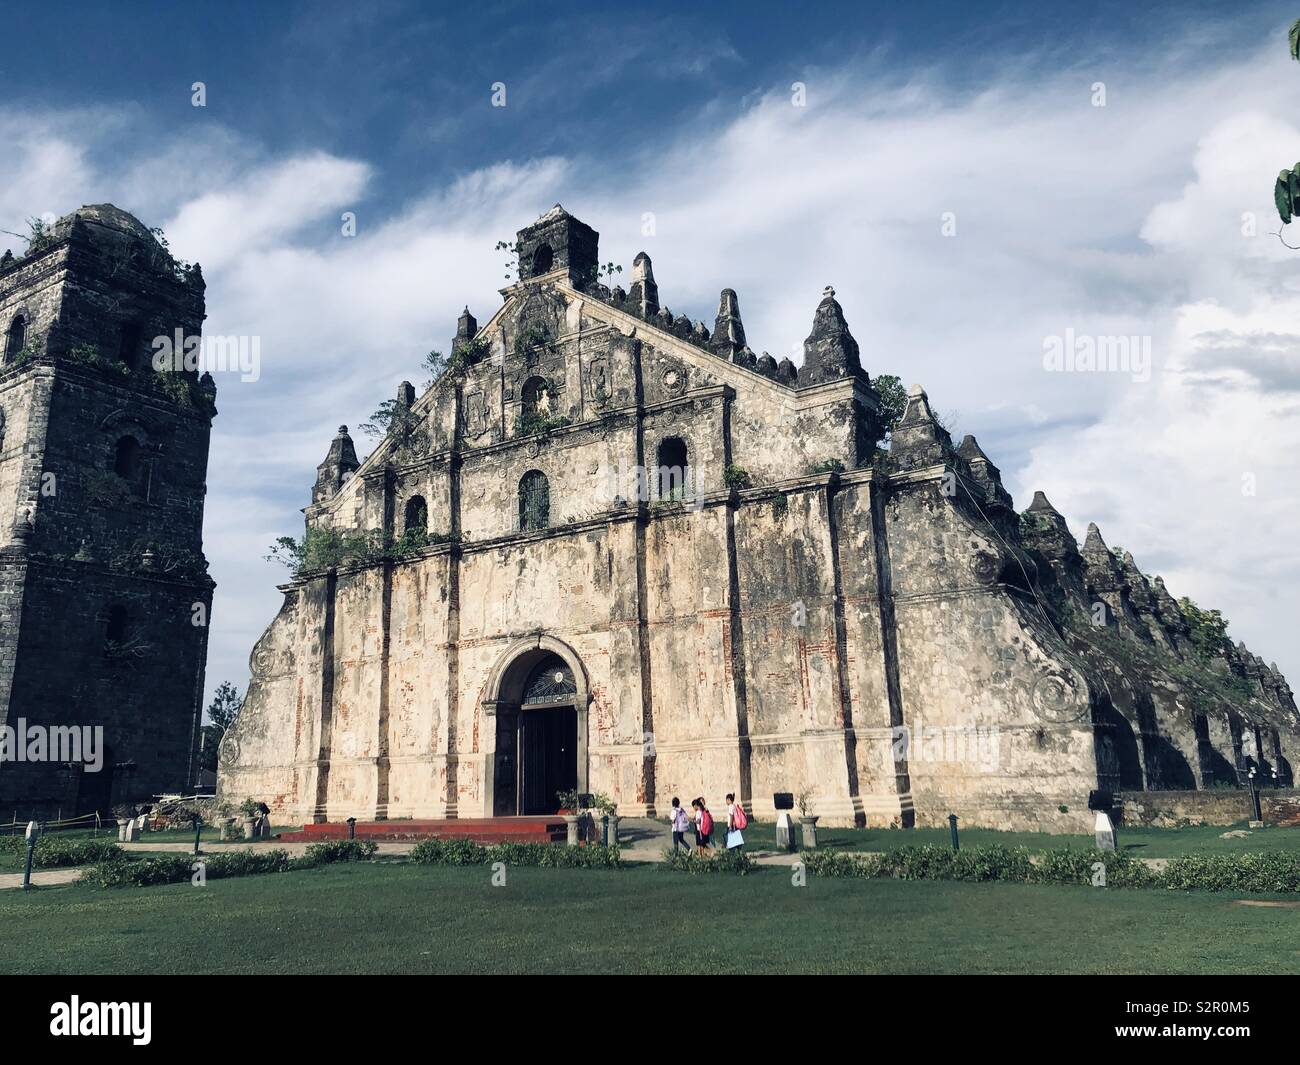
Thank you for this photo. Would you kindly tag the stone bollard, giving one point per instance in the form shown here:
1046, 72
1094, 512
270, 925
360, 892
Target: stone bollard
784, 831
571, 829
1105, 831
808, 831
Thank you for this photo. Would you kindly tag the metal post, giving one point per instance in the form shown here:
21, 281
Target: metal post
352, 828
604, 830
952, 827
32, 833
198, 831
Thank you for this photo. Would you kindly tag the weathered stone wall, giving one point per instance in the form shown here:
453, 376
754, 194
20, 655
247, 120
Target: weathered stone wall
1176, 809
890, 640
105, 598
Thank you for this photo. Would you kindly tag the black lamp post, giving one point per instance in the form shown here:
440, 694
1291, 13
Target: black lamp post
1254, 796
32, 833
952, 828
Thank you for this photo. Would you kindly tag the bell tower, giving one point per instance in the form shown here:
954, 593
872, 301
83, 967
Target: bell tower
104, 591
558, 241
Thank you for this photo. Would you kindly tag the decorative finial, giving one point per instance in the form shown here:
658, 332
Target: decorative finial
829, 292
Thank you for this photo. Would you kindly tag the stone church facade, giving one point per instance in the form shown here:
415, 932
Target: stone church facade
104, 591
633, 557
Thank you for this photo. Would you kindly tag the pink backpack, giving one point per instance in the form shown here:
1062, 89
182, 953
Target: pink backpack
738, 818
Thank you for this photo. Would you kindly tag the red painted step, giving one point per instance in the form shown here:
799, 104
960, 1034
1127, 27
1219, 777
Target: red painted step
480, 830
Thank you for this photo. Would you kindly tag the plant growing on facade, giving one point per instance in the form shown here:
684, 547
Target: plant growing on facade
511, 248
400, 422
1209, 628
532, 422
88, 355
322, 549
737, 477
827, 466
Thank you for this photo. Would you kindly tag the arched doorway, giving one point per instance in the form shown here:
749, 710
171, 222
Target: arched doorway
538, 696
548, 737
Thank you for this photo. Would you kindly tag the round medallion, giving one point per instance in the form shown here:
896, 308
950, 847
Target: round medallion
984, 567
1056, 698
673, 380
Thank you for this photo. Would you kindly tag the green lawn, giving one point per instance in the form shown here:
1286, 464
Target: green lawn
1139, 842
390, 918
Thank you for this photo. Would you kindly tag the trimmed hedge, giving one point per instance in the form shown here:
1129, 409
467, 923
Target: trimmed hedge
544, 855
54, 853
1233, 872
177, 868
1278, 873
340, 850
723, 861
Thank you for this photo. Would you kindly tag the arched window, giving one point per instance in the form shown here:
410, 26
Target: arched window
117, 632
534, 502
673, 473
417, 515
128, 345
16, 338
126, 458
543, 257
536, 397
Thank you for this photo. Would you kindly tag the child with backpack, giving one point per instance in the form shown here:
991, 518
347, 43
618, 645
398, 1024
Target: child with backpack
703, 827
679, 821
737, 821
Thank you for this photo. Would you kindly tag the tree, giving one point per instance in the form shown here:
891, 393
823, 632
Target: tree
1286, 190
434, 364
893, 400
222, 712
1209, 628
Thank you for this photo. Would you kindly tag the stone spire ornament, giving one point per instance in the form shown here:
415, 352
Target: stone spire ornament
643, 293
466, 329
830, 352
340, 463
728, 330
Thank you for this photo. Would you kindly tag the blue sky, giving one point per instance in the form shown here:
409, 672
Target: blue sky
1126, 219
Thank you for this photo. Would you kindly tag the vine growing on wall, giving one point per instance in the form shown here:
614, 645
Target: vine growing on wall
324, 549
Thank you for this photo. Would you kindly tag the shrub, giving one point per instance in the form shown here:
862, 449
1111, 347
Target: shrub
546, 855
1233, 872
143, 872
926, 862
991, 863
339, 850
54, 853
839, 864
448, 852
251, 863
725, 861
